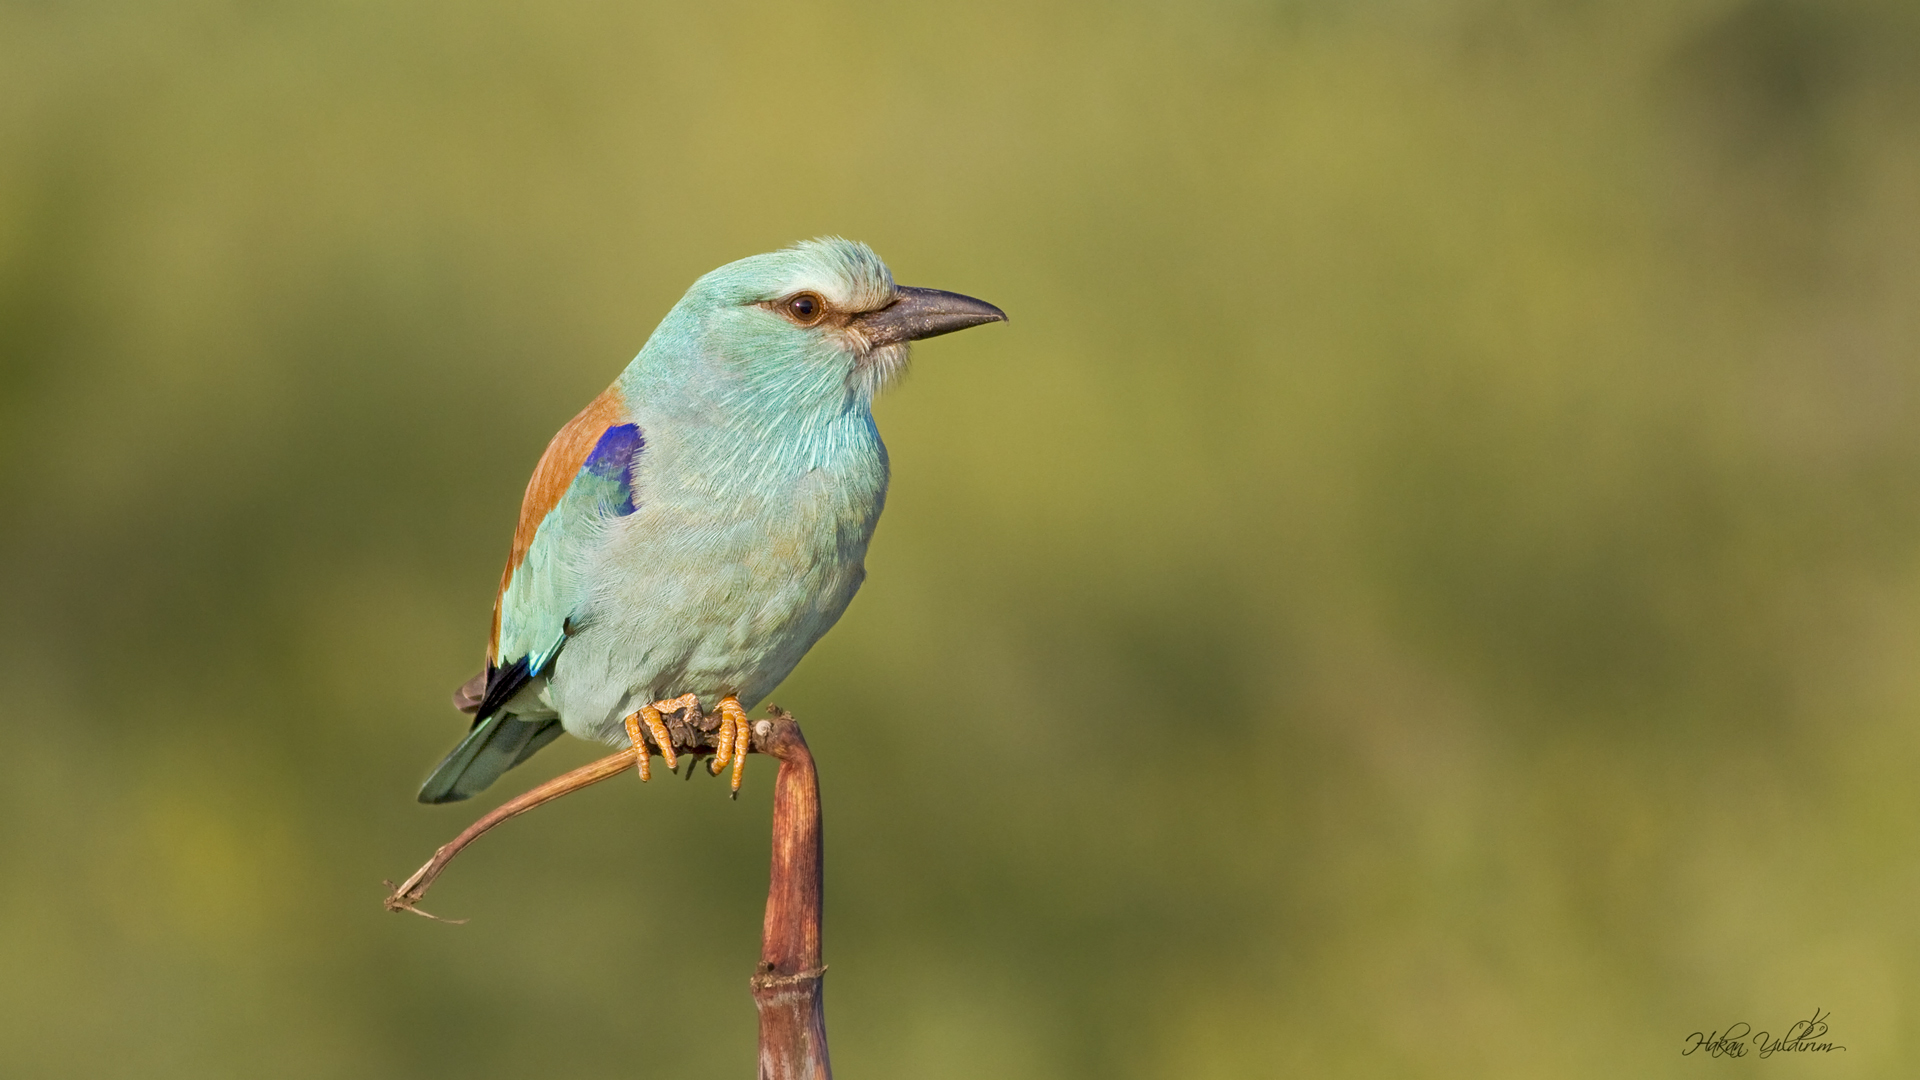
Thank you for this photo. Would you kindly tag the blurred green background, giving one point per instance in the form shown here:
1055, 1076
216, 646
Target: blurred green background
1427, 585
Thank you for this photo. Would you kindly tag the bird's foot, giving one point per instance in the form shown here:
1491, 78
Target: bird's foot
656, 726
731, 743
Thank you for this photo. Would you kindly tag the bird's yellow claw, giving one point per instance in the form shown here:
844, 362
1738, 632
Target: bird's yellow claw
732, 741
742, 741
650, 715
640, 751
722, 744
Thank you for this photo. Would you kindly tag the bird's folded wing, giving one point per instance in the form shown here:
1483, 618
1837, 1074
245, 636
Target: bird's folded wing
584, 478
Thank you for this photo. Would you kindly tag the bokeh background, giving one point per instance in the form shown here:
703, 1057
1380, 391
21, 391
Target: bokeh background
1427, 585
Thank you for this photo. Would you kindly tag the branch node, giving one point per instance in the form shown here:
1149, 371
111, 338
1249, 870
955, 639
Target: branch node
768, 980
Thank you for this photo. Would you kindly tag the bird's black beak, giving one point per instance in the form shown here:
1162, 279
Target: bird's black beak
923, 313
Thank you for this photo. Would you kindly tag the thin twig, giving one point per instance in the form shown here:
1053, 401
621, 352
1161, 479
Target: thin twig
691, 733
787, 984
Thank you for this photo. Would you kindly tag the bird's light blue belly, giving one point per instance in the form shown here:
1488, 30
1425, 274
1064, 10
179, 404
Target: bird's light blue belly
693, 598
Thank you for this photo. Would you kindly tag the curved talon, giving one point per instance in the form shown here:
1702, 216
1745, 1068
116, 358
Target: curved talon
742, 739
657, 727
742, 742
639, 746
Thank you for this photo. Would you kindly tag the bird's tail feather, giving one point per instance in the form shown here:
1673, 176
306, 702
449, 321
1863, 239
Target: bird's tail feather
495, 745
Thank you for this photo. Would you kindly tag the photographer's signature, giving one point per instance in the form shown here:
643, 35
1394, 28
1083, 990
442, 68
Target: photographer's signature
1804, 1037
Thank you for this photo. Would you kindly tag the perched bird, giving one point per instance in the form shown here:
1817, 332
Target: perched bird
690, 535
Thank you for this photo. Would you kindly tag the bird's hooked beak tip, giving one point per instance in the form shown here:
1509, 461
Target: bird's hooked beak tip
923, 313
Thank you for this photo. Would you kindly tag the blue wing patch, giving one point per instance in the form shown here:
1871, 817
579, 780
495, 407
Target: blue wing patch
609, 469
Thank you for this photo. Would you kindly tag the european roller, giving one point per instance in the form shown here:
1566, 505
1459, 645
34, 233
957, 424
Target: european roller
689, 536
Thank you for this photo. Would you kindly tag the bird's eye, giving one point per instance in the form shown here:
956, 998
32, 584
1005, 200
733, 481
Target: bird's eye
806, 308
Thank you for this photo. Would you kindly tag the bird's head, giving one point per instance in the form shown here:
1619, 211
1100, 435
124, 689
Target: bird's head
819, 320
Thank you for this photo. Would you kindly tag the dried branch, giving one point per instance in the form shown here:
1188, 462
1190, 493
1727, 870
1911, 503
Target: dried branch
786, 985
694, 736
